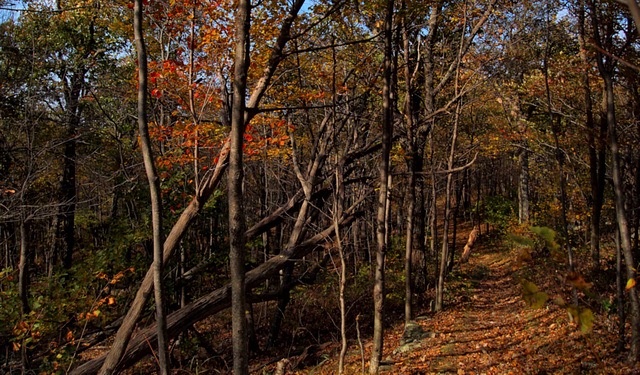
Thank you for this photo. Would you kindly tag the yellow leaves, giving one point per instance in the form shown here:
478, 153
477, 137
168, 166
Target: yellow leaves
630, 284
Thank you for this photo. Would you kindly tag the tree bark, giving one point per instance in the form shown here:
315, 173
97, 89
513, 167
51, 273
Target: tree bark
23, 273
413, 170
444, 256
523, 186
154, 190
596, 177
621, 216
606, 69
387, 135
236, 208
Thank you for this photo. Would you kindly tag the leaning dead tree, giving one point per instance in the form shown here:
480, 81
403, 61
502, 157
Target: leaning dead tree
215, 301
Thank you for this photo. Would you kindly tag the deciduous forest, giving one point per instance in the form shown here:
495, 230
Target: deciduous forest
319, 186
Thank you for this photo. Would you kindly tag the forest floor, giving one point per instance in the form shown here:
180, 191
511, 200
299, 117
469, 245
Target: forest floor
487, 328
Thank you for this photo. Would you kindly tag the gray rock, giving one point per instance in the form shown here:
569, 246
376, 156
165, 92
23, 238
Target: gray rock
412, 338
413, 332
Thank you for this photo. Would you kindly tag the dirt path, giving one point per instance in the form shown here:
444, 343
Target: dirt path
489, 329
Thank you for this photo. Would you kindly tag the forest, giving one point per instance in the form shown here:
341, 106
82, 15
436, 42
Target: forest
320, 186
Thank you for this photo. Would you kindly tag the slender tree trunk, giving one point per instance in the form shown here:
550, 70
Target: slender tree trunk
387, 134
444, 256
596, 179
281, 306
523, 186
154, 189
447, 204
408, 259
620, 295
252, 338
606, 69
412, 165
456, 214
68, 182
236, 208
434, 203
621, 216
337, 213
23, 276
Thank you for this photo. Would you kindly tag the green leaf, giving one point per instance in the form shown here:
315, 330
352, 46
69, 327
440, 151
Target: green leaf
532, 296
523, 241
547, 234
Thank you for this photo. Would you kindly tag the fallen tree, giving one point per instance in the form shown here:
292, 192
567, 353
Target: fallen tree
140, 345
473, 236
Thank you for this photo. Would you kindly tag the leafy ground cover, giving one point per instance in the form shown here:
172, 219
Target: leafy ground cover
488, 328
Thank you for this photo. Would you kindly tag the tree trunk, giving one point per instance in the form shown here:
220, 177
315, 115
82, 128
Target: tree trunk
444, 256
621, 216
68, 182
523, 186
381, 250
337, 213
620, 295
596, 178
283, 300
154, 190
606, 69
236, 207
23, 276
413, 170
559, 155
